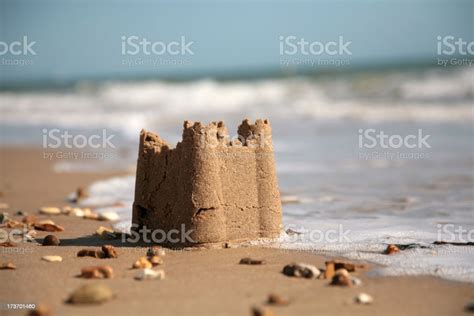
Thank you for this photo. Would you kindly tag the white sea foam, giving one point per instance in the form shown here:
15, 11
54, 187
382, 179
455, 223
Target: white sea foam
433, 96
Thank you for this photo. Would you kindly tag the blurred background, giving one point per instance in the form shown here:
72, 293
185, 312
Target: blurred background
321, 71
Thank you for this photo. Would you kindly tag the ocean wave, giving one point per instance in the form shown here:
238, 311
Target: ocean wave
430, 96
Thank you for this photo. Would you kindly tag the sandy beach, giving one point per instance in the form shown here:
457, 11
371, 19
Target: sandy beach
198, 282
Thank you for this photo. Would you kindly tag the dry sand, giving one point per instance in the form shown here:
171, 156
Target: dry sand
198, 282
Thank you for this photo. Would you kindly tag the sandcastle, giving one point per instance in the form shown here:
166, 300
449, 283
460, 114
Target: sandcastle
221, 189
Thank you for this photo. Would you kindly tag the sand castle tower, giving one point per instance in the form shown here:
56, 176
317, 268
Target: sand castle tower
221, 189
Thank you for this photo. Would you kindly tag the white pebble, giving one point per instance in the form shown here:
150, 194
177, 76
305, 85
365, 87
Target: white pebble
364, 298
149, 274
50, 210
52, 258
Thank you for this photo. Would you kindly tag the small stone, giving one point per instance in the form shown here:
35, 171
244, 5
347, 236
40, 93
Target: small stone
155, 261
330, 270
105, 233
52, 258
108, 216
96, 293
89, 214
142, 263
40, 310
275, 299
109, 251
301, 270
50, 210
149, 274
363, 298
341, 280
48, 226
350, 267
391, 250
7, 244
20, 213
342, 272
355, 281
98, 272
51, 240
155, 251
251, 261
73, 211
7, 266
29, 219
11, 223
4, 206
261, 311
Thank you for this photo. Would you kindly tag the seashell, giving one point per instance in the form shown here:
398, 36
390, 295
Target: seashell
275, 299
364, 298
98, 272
51, 240
91, 294
13, 224
301, 270
7, 244
142, 263
52, 258
251, 261
355, 281
149, 274
48, 210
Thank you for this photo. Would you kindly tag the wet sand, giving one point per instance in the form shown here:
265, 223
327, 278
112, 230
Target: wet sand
198, 282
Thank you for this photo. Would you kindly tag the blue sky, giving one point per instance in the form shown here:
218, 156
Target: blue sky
82, 38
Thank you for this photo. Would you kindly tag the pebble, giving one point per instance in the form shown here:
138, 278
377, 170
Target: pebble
7, 266
48, 210
275, 299
11, 223
105, 233
301, 270
341, 280
72, 211
391, 250
4, 206
149, 274
330, 270
96, 293
52, 258
261, 311
155, 260
51, 240
142, 263
48, 226
356, 281
40, 310
108, 216
155, 251
364, 298
109, 251
251, 261
7, 244
20, 213
98, 272
29, 219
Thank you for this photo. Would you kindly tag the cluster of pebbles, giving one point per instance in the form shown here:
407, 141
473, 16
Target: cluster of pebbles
337, 272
